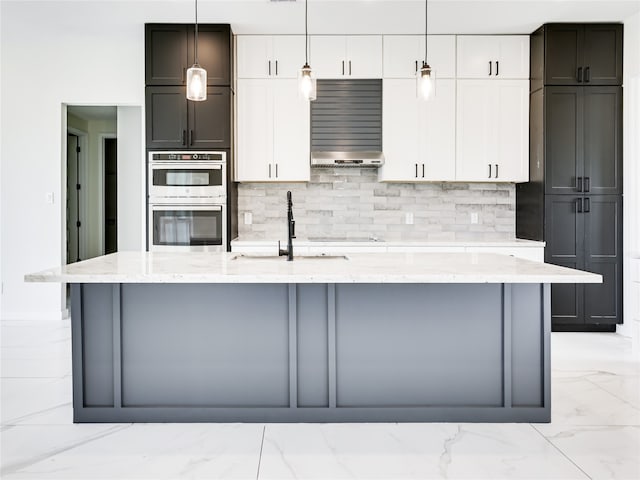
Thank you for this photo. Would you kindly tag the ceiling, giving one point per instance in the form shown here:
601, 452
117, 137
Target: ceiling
93, 112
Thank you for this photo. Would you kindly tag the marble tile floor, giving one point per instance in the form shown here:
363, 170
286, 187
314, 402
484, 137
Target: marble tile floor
595, 429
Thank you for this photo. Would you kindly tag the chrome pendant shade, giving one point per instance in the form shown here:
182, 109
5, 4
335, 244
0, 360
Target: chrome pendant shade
426, 76
196, 75
306, 77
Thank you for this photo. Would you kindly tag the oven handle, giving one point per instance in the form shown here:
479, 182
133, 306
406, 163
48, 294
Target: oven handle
163, 207
185, 166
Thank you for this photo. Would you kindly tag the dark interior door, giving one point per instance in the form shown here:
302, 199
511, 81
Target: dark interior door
564, 140
166, 117
209, 121
564, 234
214, 52
110, 195
603, 255
603, 54
603, 140
563, 54
166, 56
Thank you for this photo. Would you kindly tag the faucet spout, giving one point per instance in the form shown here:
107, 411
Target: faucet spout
291, 230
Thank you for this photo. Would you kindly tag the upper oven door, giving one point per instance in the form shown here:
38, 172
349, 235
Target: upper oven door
187, 179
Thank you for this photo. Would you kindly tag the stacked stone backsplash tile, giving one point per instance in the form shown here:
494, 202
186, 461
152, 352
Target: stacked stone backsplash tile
350, 203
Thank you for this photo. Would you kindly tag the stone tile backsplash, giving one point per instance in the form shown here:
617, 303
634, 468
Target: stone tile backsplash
350, 204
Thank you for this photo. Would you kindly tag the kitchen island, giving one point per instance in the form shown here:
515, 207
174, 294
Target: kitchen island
198, 337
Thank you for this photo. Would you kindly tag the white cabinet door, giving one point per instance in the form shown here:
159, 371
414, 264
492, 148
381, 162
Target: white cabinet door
364, 56
352, 56
438, 133
475, 145
497, 57
512, 123
441, 54
400, 131
288, 55
328, 55
291, 132
267, 56
492, 139
402, 55
418, 136
254, 54
255, 129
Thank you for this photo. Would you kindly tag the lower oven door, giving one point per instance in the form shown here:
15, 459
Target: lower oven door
188, 228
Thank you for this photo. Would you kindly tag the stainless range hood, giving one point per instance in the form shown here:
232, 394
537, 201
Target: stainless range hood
347, 159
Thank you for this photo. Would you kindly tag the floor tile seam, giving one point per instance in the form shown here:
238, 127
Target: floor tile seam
264, 428
635, 407
39, 412
561, 452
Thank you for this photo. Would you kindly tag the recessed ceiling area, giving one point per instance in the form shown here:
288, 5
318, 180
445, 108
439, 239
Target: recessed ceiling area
93, 112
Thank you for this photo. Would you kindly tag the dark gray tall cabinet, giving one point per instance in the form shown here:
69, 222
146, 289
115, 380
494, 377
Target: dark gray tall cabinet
573, 200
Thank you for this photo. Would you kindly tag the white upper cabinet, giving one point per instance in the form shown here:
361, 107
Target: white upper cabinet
404, 54
273, 132
270, 56
493, 56
350, 56
492, 134
418, 136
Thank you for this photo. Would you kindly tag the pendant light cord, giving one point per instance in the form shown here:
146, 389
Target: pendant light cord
426, 23
306, 34
196, 48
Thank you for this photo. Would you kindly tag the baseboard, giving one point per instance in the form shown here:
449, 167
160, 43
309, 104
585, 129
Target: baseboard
35, 316
583, 328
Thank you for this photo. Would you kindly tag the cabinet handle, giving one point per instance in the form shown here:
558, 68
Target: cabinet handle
497, 67
587, 184
579, 75
342, 67
423, 170
490, 68
416, 170
276, 67
489, 170
269, 170
579, 205
587, 205
276, 170
496, 170
416, 66
579, 186
349, 67
184, 74
587, 74
269, 67
190, 137
184, 137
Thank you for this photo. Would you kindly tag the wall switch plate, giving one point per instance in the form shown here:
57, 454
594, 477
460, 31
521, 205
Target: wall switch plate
408, 218
49, 198
474, 217
248, 218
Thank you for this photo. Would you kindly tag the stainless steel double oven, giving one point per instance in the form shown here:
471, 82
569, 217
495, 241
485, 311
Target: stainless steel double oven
187, 201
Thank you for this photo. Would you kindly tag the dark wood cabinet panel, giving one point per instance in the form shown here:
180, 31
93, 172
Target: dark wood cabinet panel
583, 54
583, 140
602, 120
170, 50
174, 122
166, 117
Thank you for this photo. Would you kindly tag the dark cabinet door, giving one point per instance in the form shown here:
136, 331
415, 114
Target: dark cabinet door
564, 235
166, 117
214, 52
166, 55
563, 54
602, 140
210, 120
603, 54
564, 140
603, 255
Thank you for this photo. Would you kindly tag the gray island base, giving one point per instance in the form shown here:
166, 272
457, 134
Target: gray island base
311, 352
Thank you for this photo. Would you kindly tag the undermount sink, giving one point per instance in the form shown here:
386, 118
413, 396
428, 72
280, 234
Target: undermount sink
319, 256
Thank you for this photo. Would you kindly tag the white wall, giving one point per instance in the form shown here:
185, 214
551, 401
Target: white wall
631, 168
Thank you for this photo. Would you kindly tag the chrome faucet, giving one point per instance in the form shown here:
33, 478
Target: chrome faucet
291, 227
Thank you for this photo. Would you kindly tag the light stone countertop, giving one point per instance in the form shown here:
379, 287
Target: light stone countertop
382, 243
192, 267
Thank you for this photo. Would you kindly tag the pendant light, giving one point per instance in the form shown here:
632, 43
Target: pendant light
196, 75
426, 77
306, 77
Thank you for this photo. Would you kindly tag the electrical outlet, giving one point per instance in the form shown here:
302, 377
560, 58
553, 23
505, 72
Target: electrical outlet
474, 217
49, 198
408, 218
248, 218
